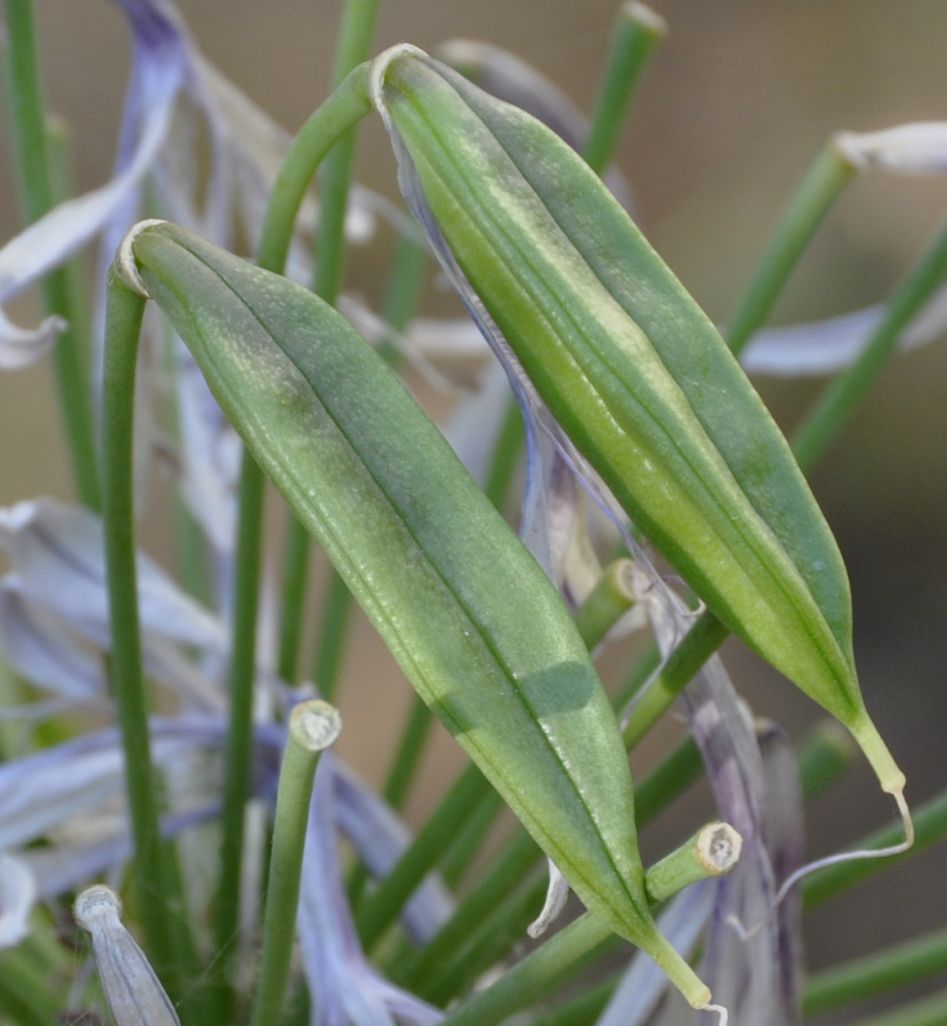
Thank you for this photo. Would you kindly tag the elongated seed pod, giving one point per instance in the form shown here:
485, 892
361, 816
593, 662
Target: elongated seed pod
467, 612
635, 373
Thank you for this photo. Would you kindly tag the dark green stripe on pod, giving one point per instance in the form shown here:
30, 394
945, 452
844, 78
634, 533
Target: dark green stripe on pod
467, 612
636, 374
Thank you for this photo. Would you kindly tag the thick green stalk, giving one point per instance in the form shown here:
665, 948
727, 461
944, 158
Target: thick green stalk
931, 1011
895, 966
495, 892
33, 167
124, 311
840, 399
930, 826
238, 749
825, 754
347, 104
582, 1009
381, 907
475, 915
828, 175
550, 965
313, 726
353, 47
637, 32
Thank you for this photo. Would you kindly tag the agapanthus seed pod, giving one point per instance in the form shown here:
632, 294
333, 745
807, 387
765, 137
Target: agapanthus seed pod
634, 372
470, 616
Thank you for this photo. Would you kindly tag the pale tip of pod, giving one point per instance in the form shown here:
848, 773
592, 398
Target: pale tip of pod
643, 16
125, 266
718, 848
315, 725
379, 69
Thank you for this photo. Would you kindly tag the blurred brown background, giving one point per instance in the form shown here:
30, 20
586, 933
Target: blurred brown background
737, 101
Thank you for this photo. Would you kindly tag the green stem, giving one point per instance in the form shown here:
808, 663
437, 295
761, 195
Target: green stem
238, 751
553, 963
930, 825
839, 400
584, 1008
506, 454
861, 978
352, 47
683, 664
333, 631
672, 776
457, 861
610, 599
124, 312
409, 753
712, 851
383, 905
313, 726
33, 167
344, 107
637, 32
824, 755
930, 1011
824, 182
403, 291
493, 894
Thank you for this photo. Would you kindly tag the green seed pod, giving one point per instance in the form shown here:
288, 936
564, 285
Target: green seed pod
473, 621
634, 372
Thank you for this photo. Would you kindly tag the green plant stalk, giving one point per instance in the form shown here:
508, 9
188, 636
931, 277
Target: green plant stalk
582, 1009
474, 917
332, 636
840, 399
62, 185
457, 862
353, 47
930, 1011
636, 33
612, 596
346, 105
930, 824
712, 851
823, 183
313, 726
238, 749
33, 168
124, 312
403, 768
553, 963
481, 914
381, 907
881, 971
827, 752
471, 789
